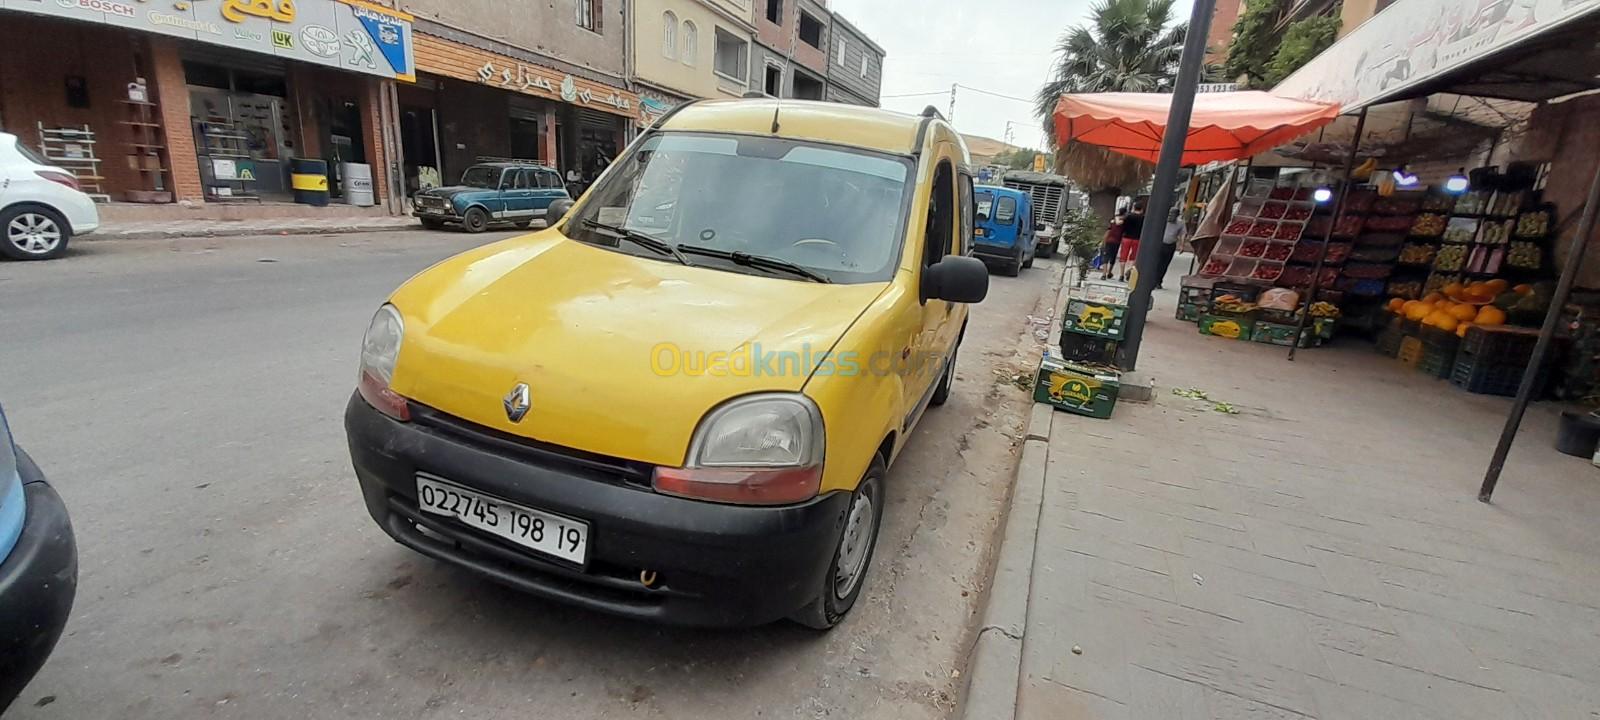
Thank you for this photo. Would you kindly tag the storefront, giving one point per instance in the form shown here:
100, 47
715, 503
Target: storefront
471, 104
200, 101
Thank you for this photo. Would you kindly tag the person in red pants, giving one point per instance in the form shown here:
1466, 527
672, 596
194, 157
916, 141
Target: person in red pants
1132, 225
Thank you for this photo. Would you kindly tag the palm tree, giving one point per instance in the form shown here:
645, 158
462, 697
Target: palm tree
1127, 46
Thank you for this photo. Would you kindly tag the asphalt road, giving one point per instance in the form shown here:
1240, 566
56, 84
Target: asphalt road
185, 397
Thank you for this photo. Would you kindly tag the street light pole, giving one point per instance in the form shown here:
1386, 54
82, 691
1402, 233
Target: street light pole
1172, 142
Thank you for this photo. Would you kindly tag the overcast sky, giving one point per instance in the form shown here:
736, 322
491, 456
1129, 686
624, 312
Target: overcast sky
1003, 46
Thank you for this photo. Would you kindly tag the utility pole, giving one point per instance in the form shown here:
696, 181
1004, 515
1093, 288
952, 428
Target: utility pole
951, 118
1160, 203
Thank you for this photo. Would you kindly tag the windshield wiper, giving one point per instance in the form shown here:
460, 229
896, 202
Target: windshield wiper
765, 262
659, 246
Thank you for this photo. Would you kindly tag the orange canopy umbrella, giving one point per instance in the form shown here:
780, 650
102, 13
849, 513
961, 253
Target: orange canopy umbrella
1224, 126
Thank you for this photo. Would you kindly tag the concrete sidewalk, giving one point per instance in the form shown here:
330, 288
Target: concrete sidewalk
1320, 554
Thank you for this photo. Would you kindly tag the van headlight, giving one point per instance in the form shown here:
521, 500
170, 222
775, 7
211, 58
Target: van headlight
762, 449
380, 349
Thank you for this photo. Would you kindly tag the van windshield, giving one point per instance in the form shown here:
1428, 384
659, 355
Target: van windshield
838, 212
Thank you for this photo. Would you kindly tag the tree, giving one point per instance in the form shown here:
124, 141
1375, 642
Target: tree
1127, 46
1254, 43
1303, 40
1021, 158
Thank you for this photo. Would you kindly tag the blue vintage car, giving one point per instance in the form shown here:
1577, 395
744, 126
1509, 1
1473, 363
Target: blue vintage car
38, 568
496, 192
1003, 233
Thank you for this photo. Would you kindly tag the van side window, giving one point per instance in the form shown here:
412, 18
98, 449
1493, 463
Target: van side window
548, 179
941, 216
968, 216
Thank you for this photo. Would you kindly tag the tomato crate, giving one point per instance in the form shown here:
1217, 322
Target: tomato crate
1500, 345
1077, 347
1487, 378
1195, 290
1189, 312
1082, 388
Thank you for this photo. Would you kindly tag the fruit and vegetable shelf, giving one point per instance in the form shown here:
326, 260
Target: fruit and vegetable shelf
1265, 233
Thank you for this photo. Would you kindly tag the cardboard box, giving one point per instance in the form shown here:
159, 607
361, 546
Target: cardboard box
1189, 312
1230, 327
1092, 318
1281, 334
1080, 388
1109, 292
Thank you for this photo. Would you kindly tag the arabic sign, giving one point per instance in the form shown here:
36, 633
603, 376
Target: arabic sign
450, 59
1417, 40
347, 34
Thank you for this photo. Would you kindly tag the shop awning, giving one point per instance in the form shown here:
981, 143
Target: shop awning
1224, 126
1531, 51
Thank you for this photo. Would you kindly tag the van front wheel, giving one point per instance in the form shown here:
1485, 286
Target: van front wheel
841, 586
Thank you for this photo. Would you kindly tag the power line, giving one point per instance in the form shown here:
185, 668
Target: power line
902, 95
991, 92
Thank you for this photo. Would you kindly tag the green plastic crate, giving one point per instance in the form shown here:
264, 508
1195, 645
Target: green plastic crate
1092, 318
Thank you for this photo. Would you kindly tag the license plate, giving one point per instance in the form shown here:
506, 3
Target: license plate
539, 531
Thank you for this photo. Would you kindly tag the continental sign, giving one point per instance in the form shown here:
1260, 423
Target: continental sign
346, 34
464, 62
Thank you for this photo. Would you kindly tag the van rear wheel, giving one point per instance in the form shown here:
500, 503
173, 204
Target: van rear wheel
841, 586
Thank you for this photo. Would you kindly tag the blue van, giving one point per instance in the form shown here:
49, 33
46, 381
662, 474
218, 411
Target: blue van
38, 568
1003, 233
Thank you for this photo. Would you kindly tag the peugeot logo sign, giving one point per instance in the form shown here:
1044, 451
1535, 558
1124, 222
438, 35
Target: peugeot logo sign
517, 403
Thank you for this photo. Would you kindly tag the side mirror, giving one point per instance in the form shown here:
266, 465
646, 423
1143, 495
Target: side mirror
956, 278
557, 210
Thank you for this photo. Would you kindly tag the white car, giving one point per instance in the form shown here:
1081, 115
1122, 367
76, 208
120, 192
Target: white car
41, 207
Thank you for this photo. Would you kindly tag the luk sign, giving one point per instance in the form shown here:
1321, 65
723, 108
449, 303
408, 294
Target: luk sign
346, 34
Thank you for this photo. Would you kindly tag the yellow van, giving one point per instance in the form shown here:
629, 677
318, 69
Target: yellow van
678, 403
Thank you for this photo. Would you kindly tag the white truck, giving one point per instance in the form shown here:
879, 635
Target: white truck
1050, 197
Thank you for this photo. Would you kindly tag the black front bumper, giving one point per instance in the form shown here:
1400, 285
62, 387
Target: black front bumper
997, 252
38, 581
439, 215
713, 565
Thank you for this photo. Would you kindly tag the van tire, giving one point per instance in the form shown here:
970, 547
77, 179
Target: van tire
941, 394
1027, 263
827, 609
476, 220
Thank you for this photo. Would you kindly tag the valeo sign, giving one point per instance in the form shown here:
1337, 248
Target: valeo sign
346, 34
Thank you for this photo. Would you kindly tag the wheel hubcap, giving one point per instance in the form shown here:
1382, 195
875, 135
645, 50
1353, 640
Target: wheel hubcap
859, 531
33, 233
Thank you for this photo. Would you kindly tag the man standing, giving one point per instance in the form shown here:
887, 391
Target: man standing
1169, 244
1132, 225
574, 182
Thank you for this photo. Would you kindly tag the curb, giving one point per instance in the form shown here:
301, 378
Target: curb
245, 231
994, 667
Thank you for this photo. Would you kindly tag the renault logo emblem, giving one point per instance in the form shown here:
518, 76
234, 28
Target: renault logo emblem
516, 402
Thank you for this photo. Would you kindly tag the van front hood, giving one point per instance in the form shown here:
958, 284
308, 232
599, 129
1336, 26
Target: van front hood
613, 347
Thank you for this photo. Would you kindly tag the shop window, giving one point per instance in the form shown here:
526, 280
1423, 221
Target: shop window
810, 30
589, 15
775, 11
733, 56
669, 35
203, 75
773, 84
691, 43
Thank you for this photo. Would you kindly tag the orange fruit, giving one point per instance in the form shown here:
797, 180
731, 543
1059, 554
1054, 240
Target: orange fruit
1437, 318
1463, 312
1419, 311
1462, 327
1447, 323
1523, 289
1489, 316
1397, 304
1433, 297
1497, 285
1453, 290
